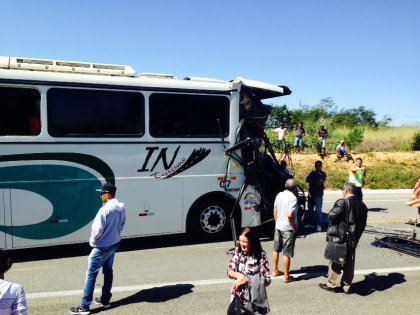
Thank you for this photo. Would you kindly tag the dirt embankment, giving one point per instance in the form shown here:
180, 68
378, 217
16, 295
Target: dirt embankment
410, 158
386, 170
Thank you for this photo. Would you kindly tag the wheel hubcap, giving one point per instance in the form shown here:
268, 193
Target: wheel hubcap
213, 219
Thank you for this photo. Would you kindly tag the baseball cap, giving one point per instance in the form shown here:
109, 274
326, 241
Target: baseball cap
107, 188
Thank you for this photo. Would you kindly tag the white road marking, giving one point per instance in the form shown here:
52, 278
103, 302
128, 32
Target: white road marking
29, 268
205, 282
374, 200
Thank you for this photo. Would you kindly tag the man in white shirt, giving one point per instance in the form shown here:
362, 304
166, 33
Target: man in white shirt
285, 216
281, 134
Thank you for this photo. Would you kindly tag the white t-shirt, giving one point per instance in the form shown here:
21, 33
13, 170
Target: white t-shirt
12, 299
286, 202
281, 132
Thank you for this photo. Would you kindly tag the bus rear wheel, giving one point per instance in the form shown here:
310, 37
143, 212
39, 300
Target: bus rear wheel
209, 220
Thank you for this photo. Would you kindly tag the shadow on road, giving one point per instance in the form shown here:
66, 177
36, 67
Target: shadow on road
377, 209
155, 295
83, 249
311, 272
374, 282
139, 243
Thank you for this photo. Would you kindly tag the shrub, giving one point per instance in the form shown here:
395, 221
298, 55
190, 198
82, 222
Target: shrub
416, 142
354, 137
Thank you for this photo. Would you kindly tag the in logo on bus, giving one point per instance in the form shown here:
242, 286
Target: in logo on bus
174, 167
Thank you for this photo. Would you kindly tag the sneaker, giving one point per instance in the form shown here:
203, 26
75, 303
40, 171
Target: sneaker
98, 301
79, 310
318, 228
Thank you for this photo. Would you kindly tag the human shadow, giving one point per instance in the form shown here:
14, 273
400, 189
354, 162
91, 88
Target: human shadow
156, 294
377, 209
311, 272
373, 283
83, 249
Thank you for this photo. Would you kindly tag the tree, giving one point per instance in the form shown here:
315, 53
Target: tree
279, 114
328, 106
359, 116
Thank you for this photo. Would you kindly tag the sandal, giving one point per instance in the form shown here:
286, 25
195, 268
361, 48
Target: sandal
289, 279
277, 274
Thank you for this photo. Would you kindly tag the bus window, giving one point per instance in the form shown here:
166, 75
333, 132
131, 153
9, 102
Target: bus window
20, 114
185, 115
97, 113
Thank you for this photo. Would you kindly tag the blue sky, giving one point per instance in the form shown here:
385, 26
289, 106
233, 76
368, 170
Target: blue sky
359, 53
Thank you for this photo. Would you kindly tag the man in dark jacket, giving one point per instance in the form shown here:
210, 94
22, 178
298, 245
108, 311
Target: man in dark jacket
336, 232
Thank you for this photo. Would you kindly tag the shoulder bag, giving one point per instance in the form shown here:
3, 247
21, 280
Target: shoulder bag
337, 252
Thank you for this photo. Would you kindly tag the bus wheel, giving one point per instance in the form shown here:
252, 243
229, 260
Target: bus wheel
209, 220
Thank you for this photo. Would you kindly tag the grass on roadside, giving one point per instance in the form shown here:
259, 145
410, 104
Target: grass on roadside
384, 170
382, 139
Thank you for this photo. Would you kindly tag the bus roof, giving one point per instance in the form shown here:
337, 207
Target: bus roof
108, 74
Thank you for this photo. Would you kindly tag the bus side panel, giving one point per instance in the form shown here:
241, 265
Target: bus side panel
48, 202
152, 206
53, 197
3, 193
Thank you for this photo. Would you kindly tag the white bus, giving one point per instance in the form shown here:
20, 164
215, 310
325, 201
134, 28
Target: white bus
68, 127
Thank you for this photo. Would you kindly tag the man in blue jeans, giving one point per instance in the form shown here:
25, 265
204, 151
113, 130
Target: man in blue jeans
316, 180
105, 237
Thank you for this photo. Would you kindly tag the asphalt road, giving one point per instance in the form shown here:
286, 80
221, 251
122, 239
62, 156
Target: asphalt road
174, 275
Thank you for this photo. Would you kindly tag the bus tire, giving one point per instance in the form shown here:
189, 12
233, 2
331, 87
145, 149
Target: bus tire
209, 218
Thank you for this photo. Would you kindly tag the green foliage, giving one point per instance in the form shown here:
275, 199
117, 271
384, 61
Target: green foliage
358, 127
385, 122
307, 114
275, 143
328, 105
357, 117
416, 142
389, 175
279, 114
311, 138
354, 137
326, 109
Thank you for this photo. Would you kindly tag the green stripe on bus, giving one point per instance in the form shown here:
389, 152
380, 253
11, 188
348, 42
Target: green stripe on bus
74, 201
84, 159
